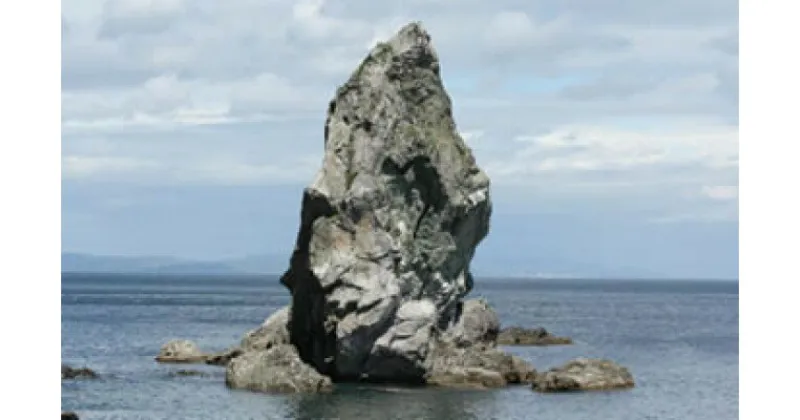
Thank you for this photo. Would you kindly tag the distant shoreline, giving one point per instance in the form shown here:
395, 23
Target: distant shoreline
492, 278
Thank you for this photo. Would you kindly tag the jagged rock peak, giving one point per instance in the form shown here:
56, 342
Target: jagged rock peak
391, 221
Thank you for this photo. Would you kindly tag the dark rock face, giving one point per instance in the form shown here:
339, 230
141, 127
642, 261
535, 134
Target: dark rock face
276, 370
584, 375
390, 224
516, 336
224, 357
69, 415
68, 372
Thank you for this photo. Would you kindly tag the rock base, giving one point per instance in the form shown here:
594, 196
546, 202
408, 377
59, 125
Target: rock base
276, 370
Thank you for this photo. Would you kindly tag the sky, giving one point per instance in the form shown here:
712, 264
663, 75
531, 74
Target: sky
609, 128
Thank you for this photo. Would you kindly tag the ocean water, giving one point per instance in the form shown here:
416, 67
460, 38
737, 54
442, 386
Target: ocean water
679, 339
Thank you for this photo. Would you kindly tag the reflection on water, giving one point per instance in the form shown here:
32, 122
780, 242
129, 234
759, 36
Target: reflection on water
354, 402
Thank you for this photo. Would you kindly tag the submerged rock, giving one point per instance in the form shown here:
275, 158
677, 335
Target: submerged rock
185, 373
390, 224
517, 336
68, 372
276, 370
584, 375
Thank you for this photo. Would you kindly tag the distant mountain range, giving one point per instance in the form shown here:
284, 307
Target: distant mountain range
89, 263
499, 266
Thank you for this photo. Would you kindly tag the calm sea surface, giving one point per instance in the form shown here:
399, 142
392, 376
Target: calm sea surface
680, 340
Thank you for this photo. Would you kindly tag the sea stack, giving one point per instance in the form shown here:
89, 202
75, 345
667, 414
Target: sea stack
390, 223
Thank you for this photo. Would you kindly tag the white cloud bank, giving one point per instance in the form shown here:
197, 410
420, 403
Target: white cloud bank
602, 94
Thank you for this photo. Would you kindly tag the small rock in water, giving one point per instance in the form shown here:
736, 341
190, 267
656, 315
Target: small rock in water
69, 415
180, 351
185, 351
584, 375
517, 336
68, 372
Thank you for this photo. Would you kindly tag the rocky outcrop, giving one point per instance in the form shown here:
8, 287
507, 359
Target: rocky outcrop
275, 370
475, 365
272, 332
181, 351
390, 224
69, 415
185, 351
476, 324
68, 372
517, 336
584, 375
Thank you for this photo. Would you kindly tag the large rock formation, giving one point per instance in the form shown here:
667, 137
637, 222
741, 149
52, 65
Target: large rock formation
389, 225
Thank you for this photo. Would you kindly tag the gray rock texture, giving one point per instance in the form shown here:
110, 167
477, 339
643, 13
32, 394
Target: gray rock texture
185, 351
476, 323
68, 372
276, 370
272, 332
517, 336
180, 351
391, 222
475, 363
584, 375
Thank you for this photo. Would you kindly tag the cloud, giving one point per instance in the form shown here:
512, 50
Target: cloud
583, 97
722, 192
639, 156
88, 166
208, 172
